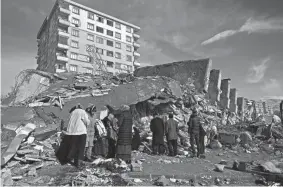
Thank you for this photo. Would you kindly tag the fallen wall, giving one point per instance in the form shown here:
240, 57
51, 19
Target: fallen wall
214, 86
197, 70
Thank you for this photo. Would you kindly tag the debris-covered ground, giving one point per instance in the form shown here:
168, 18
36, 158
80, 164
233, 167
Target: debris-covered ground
243, 154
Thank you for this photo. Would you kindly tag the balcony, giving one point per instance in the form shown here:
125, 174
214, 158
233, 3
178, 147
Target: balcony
64, 22
60, 70
136, 45
136, 54
137, 64
63, 46
136, 36
62, 58
63, 33
64, 10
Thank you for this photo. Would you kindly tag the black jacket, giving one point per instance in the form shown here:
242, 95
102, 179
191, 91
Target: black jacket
194, 124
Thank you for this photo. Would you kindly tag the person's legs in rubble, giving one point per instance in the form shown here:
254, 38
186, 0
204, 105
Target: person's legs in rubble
161, 149
154, 149
175, 147
192, 142
88, 153
170, 147
196, 137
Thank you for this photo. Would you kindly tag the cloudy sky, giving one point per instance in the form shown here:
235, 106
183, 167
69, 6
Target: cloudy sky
244, 38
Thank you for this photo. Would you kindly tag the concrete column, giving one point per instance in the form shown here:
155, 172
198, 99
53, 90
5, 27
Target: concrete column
241, 106
214, 86
233, 100
225, 94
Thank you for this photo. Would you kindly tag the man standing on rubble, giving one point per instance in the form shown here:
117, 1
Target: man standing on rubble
90, 132
157, 129
74, 140
171, 131
194, 131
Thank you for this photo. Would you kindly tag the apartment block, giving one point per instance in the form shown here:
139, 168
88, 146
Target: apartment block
74, 37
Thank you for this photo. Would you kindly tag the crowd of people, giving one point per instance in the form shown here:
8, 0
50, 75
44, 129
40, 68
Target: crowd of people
87, 136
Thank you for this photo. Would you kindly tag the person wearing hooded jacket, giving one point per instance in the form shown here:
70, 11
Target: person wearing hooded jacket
194, 128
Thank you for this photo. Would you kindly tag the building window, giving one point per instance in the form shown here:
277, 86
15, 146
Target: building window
129, 48
110, 23
90, 26
99, 29
89, 70
76, 21
76, 10
109, 33
129, 58
74, 44
128, 29
118, 55
90, 37
90, 15
74, 56
128, 39
110, 53
117, 25
75, 33
118, 35
118, 45
129, 68
100, 19
99, 40
110, 43
118, 65
73, 68
110, 64
100, 51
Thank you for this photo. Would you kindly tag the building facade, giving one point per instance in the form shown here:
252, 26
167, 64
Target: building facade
70, 28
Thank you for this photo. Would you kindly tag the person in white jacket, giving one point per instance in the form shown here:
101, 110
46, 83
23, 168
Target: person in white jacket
74, 140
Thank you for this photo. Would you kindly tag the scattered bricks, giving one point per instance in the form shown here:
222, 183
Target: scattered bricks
32, 172
136, 167
162, 181
6, 178
228, 138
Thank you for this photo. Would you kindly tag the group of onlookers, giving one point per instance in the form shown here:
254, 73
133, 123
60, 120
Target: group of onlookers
169, 129
87, 136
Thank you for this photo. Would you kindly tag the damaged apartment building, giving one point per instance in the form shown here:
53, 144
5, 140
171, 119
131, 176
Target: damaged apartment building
68, 30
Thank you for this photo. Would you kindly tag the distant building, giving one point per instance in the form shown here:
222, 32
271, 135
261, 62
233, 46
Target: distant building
70, 27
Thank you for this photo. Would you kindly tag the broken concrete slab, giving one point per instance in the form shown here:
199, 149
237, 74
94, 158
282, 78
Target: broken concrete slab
228, 138
197, 70
15, 144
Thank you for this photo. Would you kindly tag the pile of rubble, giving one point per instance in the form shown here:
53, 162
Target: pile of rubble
35, 131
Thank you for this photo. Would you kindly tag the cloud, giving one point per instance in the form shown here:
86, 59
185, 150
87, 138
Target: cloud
250, 26
256, 72
272, 87
219, 36
277, 97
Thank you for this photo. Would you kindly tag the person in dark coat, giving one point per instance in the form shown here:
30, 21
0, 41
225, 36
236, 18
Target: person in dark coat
136, 139
112, 130
157, 129
194, 131
124, 142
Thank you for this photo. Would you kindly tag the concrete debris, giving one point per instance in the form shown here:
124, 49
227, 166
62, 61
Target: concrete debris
32, 125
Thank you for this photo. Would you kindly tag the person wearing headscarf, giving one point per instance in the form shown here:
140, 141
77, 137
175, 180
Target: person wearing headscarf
91, 110
194, 131
100, 147
124, 142
157, 129
112, 129
74, 139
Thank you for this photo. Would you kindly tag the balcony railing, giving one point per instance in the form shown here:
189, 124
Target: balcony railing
136, 54
136, 45
63, 33
135, 35
62, 45
64, 10
62, 57
64, 21
137, 63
